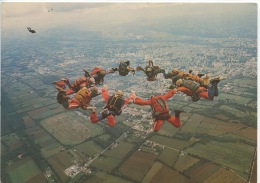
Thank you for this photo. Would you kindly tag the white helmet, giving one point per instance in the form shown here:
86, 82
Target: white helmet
119, 93
92, 80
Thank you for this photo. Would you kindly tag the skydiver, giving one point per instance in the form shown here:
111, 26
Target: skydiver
160, 109
98, 74
124, 68
177, 74
114, 105
30, 30
151, 71
80, 100
85, 81
196, 91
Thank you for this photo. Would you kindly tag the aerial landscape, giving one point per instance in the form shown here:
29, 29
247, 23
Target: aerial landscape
43, 142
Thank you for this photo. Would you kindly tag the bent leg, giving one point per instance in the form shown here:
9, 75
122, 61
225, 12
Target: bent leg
111, 120
204, 95
175, 121
94, 118
157, 125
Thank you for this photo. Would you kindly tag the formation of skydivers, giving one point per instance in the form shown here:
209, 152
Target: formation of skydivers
84, 89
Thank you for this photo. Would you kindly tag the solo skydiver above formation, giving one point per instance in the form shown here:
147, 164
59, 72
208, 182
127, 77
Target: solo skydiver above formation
151, 71
160, 110
114, 105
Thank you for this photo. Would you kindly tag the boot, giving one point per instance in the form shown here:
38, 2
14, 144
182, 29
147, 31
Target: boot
93, 117
177, 113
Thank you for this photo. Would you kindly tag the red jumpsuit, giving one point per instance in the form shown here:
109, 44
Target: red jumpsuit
160, 113
111, 115
77, 85
201, 91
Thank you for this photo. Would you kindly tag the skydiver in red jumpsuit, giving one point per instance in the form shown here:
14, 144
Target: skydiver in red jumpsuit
160, 109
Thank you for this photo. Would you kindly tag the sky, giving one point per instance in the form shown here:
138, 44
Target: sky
109, 16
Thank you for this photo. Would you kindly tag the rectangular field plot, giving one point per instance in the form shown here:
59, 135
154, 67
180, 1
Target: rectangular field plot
184, 162
61, 162
120, 151
106, 163
237, 156
51, 150
161, 173
11, 141
232, 111
24, 170
168, 129
169, 156
66, 129
238, 99
171, 142
249, 133
137, 165
202, 171
104, 177
192, 123
89, 148
223, 175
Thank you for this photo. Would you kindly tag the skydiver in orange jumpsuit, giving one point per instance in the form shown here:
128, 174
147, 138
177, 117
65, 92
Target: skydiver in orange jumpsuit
112, 109
160, 109
193, 89
84, 81
80, 100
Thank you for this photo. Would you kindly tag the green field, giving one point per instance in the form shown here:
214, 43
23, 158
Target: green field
171, 142
237, 156
24, 172
192, 123
161, 173
233, 111
185, 161
120, 151
169, 156
237, 99
89, 148
106, 163
102, 177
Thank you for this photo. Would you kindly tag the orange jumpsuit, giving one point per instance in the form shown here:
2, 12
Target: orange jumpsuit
111, 115
160, 113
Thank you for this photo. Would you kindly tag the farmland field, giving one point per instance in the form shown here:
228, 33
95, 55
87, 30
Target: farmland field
120, 151
161, 173
169, 156
185, 161
106, 163
89, 148
224, 175
237, 156
192, 123
232, 111
61, 162
102, 177
201, 172
168, 129
137, 165
250, 133
67, 130
24, 171
238, 99
171, 142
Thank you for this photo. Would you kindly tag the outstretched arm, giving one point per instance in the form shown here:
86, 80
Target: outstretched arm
139, 101
169, 94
